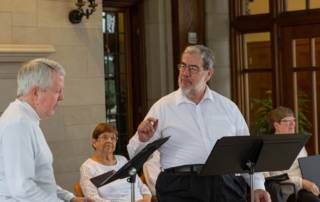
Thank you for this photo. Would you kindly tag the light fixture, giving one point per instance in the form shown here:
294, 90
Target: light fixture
76, 15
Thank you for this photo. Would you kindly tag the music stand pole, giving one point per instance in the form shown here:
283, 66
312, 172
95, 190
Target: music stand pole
250, 165
132, 178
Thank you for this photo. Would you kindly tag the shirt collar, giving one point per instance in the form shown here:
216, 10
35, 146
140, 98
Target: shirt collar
30, 111
181, 98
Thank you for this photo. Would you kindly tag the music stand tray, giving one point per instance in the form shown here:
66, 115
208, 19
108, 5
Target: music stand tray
249, 154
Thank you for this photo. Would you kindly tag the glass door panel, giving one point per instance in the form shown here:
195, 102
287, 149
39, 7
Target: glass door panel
255, 7
116, 77
301, 70
301, 52
260, 101
295, 5
257, 73
305, 109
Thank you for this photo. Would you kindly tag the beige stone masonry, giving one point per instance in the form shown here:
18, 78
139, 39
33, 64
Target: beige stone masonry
21, 53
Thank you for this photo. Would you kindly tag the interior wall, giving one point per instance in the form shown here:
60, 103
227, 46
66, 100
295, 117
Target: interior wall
159, 53
188, 27
79, 49
217, 38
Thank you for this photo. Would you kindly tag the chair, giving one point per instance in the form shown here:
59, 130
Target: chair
143, 179
276, 185
310, 166
77, 190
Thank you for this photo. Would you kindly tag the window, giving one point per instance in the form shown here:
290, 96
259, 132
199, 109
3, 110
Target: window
116, 74
256, 7
275, 59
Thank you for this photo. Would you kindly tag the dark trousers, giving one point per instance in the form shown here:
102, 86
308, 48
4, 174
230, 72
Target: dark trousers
304, 196
173, 187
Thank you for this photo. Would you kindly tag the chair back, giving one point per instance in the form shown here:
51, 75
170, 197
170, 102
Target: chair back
309, 167
77, 190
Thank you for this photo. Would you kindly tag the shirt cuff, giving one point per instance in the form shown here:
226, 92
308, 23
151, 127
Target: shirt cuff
69, 196
259, 184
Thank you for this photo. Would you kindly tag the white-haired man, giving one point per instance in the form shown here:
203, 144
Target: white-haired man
26, 172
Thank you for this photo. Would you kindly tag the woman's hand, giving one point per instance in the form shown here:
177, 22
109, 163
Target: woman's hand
81, 199
310, 186
146, 198
261, 195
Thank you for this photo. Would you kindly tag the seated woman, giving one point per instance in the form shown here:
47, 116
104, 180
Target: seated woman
283, 122
104, 140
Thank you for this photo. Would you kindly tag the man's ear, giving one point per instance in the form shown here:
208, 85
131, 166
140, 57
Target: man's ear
210, 74
34, 92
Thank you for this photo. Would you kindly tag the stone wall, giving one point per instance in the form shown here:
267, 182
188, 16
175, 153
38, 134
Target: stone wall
159, 46
159, 52
217, 38
79, 48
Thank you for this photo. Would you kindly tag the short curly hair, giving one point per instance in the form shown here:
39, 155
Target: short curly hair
278, 114
102, 128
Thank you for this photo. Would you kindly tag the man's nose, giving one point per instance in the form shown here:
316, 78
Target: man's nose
185, 71
61, 96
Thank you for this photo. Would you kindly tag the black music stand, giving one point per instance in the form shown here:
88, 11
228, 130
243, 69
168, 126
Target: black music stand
129, 170
250, 154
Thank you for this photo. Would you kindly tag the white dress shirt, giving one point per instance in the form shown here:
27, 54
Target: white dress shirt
116, 191
151, 170
26, 172
193, 128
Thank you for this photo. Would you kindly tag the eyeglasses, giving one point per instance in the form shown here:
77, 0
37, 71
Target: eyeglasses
192, 69
291, 120
106, 137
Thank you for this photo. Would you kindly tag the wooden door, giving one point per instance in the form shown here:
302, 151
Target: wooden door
300, 85
125, 72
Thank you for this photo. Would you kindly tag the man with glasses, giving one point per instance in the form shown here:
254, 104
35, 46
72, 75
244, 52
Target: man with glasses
194, 117
26, 172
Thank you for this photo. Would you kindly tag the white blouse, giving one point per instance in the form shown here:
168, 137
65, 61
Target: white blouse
116, 191
293, 172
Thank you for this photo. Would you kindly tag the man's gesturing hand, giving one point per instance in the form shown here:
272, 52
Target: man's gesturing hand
147, 128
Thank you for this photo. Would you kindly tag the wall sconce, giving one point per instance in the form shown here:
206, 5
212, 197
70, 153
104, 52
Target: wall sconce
76, 15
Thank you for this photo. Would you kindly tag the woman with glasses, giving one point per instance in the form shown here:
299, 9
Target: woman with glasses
104, 141
283, 121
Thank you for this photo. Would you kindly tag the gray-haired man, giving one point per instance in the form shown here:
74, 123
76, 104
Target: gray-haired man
26, 172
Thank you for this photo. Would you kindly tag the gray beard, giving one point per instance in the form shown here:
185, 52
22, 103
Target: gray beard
190, 92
